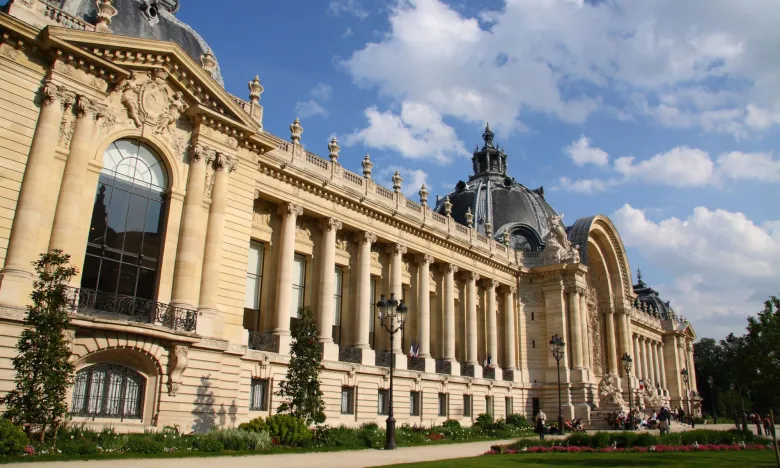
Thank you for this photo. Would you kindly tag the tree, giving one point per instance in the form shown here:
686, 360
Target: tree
302, 387
43, 371
710, 357
762, 344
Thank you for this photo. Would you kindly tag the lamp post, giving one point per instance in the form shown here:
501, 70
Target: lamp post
557, 347
388, 310
711, 381
627, 361
684, 374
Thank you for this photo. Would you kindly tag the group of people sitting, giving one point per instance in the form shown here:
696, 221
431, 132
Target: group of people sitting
541, 427
634, 419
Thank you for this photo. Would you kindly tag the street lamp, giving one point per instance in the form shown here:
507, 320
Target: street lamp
684, 374
557, 347
711, 381
627, 361
389, 310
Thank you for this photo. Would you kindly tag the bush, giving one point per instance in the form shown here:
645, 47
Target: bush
255, 425
12, 439
79, 447
286, 429
344, 437
143, 443
451, 423
518, 420
209, 443
484, 420
240, 440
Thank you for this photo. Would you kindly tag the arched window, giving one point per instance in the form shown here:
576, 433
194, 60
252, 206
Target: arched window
108, 391
123, 248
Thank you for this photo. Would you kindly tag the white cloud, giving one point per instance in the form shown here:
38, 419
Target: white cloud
350, 7
700, 64
347, 33
413, 179
309, 108
723, 264
587, 186
582, 153
745, 166
418, 132
322, 92
678, 167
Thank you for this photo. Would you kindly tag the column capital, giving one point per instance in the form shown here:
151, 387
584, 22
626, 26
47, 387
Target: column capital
287, 209
56, 94
330, 224
509, 289
396, 249
365, 236
471, 276
423, 259
89, 108
491, 283
225, 162
448, 268
200, 152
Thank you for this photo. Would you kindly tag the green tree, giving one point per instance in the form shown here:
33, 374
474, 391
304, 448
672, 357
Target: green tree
710, 357
762, 344
43, 372
301, 389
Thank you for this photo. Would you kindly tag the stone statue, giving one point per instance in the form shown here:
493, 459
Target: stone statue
130, 89
609, 391
651, 398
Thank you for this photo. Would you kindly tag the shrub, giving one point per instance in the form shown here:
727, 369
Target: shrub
451, 423
343, 437
518, 420
370, 426
579, 439
144, 443
12, 439
646, 439
484, 420
255, 425
240, 440
209, 443
286, 429
600, 440
79, 447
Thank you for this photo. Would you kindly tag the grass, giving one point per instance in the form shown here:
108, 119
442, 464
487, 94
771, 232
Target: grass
752, 459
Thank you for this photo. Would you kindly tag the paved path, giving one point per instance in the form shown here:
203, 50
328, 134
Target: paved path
348, 459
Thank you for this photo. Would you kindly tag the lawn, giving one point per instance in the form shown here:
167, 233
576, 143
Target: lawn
752, 459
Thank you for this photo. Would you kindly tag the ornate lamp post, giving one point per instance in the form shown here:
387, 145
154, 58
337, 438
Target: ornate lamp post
627, 362
557, 347
711, 381
684, 374
388, 310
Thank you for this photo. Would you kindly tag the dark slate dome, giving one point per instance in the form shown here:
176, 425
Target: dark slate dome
147, 19
652, 302
498, 203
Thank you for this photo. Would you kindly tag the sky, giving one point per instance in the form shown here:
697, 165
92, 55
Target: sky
662, 115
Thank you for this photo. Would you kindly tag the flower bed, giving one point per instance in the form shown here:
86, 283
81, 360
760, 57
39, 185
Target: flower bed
652, 448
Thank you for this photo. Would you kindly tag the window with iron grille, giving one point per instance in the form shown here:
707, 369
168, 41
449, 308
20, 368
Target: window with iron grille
108, 391
383, 402
467, 405
258, 399
443, 404
414, 403
347, 400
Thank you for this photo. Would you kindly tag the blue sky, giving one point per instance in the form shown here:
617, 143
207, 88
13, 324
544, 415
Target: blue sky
663, 116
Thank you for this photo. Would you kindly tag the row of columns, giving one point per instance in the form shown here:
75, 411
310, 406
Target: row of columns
649, 361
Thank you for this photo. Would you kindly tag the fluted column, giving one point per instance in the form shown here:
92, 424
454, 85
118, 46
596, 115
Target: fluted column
625, 331
692, 368
289, 213
325, 319
189, 255
637, 358
449, 271
31, 211
656, 364
575, 327
586, 344
650, 373
509, 327
209, 322
364, 240
66, 227
424, 304
396, 284
471, 318
611, 346
663, 367
492, 330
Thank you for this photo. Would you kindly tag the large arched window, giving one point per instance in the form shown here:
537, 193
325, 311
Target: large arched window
108, 391
123, 249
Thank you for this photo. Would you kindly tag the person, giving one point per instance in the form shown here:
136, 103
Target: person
757, 422
541, 418
682, 415
767, 424
578, 424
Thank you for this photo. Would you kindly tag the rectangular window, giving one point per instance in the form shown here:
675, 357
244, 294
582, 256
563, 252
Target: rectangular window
254, 275
384, 402
259, 395
347, 400
509, 404
467, 405
489, 405
299, 283
442, 404
337, 296
414, 403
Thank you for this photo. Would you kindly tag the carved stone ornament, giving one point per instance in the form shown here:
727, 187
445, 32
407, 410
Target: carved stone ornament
152, 102
365, 236
225, 162
330, 224
286, 209
532, 297
177, 363
105, 12
609, 392
333, 150
296, 131
200, 152
397, 181
367, 166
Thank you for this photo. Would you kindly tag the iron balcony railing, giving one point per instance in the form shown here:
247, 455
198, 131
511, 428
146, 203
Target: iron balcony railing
134, 309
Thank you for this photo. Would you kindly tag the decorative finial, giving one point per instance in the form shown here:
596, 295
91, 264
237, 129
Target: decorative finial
489, 228
334, 149
397, 181
447, 206
295, 131
505, 238
208, 61
105, 12
255, 89
423, 195
488, 136
469, 218
367, 165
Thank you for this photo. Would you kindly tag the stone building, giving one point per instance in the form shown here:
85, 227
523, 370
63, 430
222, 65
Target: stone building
198, 235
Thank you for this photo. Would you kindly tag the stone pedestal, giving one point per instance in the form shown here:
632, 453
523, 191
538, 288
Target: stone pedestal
330, 352
368, 357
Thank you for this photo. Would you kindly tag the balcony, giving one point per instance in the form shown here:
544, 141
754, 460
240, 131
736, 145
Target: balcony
267, 342
134, 309
489, 373
443, 367
415, 363
353, 355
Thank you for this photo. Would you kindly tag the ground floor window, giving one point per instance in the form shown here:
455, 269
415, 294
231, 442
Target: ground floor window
384, 402
347, 400
509, 406
108, 391
258, 400
489, 405
414, 403
442, 404
467, 405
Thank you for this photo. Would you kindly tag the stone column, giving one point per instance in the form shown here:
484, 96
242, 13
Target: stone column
663, 368
281, 322
189, 256
396, 285
471, 318
657, 358
611, 346
210, 323
492, 330
16, 277
327, 275
509, 327
522, 334
364, 241
449, 271
625, 332
66, 228
574, 327
424, 305
650, 363
692, 368
586, 345
637, 359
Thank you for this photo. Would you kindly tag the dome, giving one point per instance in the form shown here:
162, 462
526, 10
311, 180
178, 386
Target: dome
500, 204
147, 19
649, 300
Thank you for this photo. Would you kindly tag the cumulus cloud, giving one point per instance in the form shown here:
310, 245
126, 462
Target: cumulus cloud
723, 264
413, 179
697, 64
322, 92
417, 132
678, 167
582, 153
